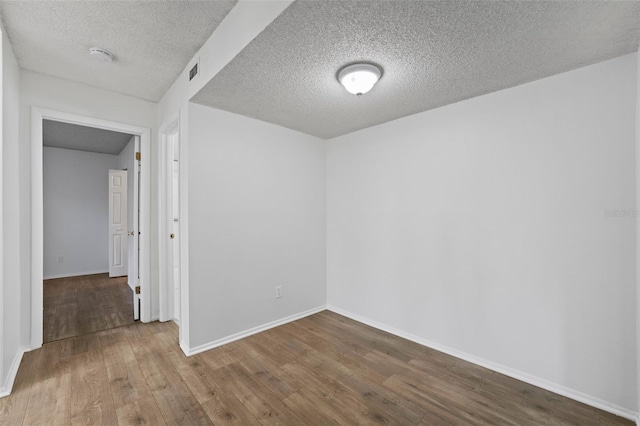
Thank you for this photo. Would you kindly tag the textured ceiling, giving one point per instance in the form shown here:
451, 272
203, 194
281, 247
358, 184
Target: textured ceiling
432, 53
152, 40
81, 138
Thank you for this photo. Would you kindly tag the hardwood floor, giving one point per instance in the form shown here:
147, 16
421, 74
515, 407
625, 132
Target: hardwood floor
323, 369
76, 306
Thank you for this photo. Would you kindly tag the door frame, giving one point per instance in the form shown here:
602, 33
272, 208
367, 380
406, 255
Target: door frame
175, 124
167, 131
37, 210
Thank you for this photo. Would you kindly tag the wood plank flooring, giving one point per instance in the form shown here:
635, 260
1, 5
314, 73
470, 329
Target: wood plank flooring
77, 306
320, 370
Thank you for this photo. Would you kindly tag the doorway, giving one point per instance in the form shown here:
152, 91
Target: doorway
142, 136
88, 202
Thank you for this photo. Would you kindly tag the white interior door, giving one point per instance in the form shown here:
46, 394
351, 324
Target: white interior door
173, 196
118, 223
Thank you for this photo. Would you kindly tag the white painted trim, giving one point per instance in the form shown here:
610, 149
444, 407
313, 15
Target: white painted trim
37, 213
637, 254
37, 229
171, 127
185, 349
133, 279
6, 389
162, 228
516, 374
250, 332
75, 274
144, 264
185, 312
2, 144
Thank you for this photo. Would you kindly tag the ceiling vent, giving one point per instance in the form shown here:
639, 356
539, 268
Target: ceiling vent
194, 71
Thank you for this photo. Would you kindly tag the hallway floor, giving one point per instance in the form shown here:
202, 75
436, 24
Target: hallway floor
77, 306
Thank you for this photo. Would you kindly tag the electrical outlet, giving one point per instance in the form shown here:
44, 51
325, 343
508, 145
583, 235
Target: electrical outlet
278, 292
60, 259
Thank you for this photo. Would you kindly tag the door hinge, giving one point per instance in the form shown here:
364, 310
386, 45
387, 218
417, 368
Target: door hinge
138, 156
137, 289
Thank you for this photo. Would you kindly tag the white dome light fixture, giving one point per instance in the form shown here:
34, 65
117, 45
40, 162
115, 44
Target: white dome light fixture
99, 54
359, 78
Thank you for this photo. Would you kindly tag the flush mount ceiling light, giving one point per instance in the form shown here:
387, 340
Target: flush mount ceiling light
359, 78
99, 54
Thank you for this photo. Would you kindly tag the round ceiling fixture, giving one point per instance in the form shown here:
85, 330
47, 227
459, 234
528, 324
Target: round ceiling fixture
359, 78
100, 55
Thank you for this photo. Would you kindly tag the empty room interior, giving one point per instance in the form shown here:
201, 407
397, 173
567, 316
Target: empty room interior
93, 290
320, 212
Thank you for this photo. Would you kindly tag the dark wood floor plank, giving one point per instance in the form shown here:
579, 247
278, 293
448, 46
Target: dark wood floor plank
326, 408
324, 369
219, 357
446, 399
57, 360
126, 381
178, 406
13, 408
76, 306
224, 408
195, 373
331, 351
258, 399
50, 402
142, 411
172, 395
395, 407
91, 402
271, 376
329, 392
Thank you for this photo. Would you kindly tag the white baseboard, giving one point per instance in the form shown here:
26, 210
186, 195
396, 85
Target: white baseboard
185, 348
507, 371
7, 387
74, 274
250, 332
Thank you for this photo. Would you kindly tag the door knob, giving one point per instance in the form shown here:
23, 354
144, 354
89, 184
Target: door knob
130, 233
172, 235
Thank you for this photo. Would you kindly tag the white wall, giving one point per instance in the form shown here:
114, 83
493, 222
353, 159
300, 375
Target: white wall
11, 214
256, 221
67, 96
76, 211
482, 226
126, 160
243, 23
